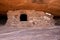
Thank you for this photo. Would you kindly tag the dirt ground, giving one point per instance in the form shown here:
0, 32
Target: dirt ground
36, 33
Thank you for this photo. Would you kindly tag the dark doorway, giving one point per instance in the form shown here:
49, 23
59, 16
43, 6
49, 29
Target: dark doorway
23, 17
3, 19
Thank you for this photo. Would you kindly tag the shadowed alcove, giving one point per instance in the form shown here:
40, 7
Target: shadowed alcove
57, 20
3, 18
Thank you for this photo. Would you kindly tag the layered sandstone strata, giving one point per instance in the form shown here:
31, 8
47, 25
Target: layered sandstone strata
52, 6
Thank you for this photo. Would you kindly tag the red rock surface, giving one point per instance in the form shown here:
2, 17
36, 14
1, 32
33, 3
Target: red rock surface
52, 6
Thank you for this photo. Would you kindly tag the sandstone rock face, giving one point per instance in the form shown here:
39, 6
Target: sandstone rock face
52, 6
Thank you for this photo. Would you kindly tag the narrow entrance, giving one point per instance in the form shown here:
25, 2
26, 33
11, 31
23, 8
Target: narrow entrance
3, 19
23, 17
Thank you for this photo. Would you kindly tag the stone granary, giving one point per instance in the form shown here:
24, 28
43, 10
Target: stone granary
27, 18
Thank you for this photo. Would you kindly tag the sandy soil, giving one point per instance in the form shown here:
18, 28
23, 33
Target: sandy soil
36, 33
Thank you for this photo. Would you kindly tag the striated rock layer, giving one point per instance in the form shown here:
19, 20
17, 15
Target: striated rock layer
51, 6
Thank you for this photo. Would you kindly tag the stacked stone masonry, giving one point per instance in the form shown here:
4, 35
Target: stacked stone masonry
34, 19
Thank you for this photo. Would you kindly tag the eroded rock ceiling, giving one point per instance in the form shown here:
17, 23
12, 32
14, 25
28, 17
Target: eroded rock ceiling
52, 6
